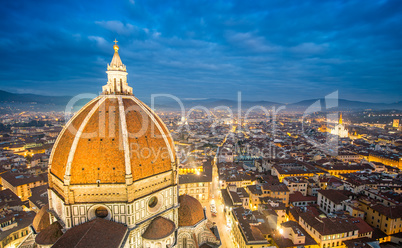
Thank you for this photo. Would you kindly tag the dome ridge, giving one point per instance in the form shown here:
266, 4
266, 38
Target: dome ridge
77, 137
152, 116
68, 124
127, 163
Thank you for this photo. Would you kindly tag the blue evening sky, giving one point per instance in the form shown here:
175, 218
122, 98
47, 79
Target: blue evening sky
284, 50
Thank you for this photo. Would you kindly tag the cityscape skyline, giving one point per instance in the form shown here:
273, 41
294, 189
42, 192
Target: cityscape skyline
208, 50
106, 166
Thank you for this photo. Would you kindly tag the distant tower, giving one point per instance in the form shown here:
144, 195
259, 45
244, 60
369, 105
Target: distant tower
339, 129
395, 123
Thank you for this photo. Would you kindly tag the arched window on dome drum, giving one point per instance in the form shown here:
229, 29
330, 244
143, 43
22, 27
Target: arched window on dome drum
121, 85
184, 242
114, 85
101, 212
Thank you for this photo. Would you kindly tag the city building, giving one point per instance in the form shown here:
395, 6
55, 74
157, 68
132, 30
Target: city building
276, 191
387, 218
21, 184
198, 185
328, 232
332, 200
296, 184
340, 130
246, 229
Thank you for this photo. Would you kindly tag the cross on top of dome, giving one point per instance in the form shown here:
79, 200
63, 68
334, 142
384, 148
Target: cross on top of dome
116, 47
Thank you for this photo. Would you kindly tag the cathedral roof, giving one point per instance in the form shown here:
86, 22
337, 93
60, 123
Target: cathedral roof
49, 235
111, 137
41, 220
190, 211
95, 233
159, 228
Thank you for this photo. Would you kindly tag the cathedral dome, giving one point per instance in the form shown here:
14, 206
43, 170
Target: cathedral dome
159, 228
49, 235
113, 139
190, 211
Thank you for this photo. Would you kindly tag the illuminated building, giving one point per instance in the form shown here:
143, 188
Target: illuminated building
387, 159
340, 130
277, 191
113, 179
293, 168
21, 184
328, 232
191, 170
246, 231
395, 123
386, 218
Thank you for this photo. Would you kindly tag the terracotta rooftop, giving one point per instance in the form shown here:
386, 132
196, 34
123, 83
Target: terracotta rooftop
299, 197
362, 225
327, 226
39, 196
336, 196
276, 187
9, 198
93, 234
159, 228
17, 179
392, 212
190, 211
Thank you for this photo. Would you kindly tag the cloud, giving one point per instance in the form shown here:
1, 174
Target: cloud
309, 48
118, 27
99, 40
271, 50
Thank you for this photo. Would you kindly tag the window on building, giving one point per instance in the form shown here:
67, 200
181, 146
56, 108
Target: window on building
101, 212
152, 203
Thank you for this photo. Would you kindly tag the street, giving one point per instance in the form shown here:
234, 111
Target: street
220, 219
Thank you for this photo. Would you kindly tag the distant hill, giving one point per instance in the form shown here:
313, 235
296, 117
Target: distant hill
13, 102
345, 105
32, 98
31, 102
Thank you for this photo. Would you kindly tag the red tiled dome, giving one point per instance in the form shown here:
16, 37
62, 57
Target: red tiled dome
190, 211
107, 138
159, 228
41, 220
50, 234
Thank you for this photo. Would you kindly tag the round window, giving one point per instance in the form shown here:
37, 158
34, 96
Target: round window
101, 212
153, 202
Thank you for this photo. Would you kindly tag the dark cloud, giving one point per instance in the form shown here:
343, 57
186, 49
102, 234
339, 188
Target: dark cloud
270, 50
